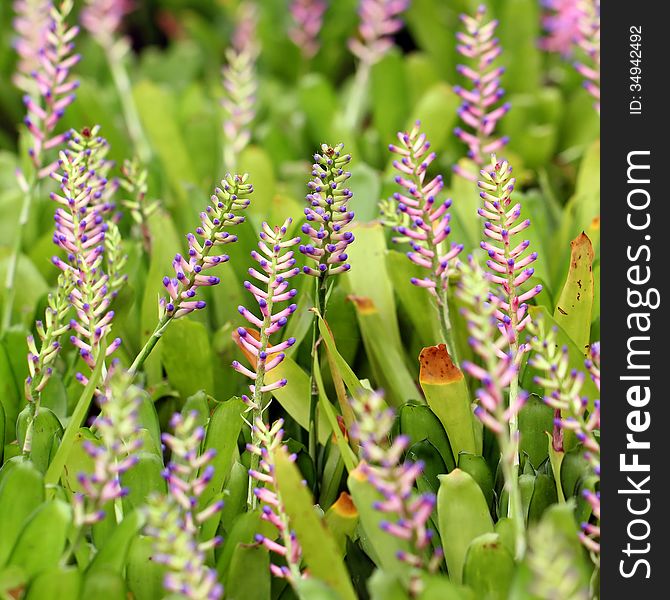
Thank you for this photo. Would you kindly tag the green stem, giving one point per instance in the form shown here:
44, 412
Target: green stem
511, 466
150, 344
10, 288
320, 304
446, 330
354, 109
125, 93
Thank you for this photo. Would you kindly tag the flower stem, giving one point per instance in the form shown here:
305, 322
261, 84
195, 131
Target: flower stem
320, 304
150, 344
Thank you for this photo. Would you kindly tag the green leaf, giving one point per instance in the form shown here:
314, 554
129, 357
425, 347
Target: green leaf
144, 576
319, 103
46, 429
574, 307
420, 423
112, 556
249, 574
21, 492
369, 276
104, 585
223, 430
185, 350
535, 420
313, 589
143, 479
320, 551
415, 300
59, 583
438, 112
158, 113
388, 91
463, 515
387, 358
447, 395
477, 467
367, 189
489, 567
519, 31
41, 542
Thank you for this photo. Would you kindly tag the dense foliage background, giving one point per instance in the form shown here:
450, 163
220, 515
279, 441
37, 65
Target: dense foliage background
175, 70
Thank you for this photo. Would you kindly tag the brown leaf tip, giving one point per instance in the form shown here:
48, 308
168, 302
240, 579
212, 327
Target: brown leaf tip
436, 366
363, 304
345, 506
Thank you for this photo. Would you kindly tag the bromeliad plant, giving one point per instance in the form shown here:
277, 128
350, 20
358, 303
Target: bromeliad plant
176, 477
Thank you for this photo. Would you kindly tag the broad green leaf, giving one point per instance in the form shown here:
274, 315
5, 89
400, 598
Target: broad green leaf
145, 478
477, 467
320, 551
223, 430
21, 492
144, 576
519, 31
419, 422
342, 520
104, 585
45, 429
369, 277
58, 583
439, 587
388, 91
574, 307
41, 542
462, 515
158, 113
185, 351
438, 111
249, 574
366, 186
112, 556
386, 356
319, 103
536, 419
489, 567
313, 589
415, 300
447, 395
9, 395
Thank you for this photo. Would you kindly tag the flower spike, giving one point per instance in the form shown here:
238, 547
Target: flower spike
561, 23
379, 21
499, 398
240, 86
82, 223
562, 387
508, 264
481, 109
589, 44
31, 25
423, 219
262, 475
174, 519
103, 18
307, 16
190, 271
328, 214
409, 512
54, 87
120, 439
